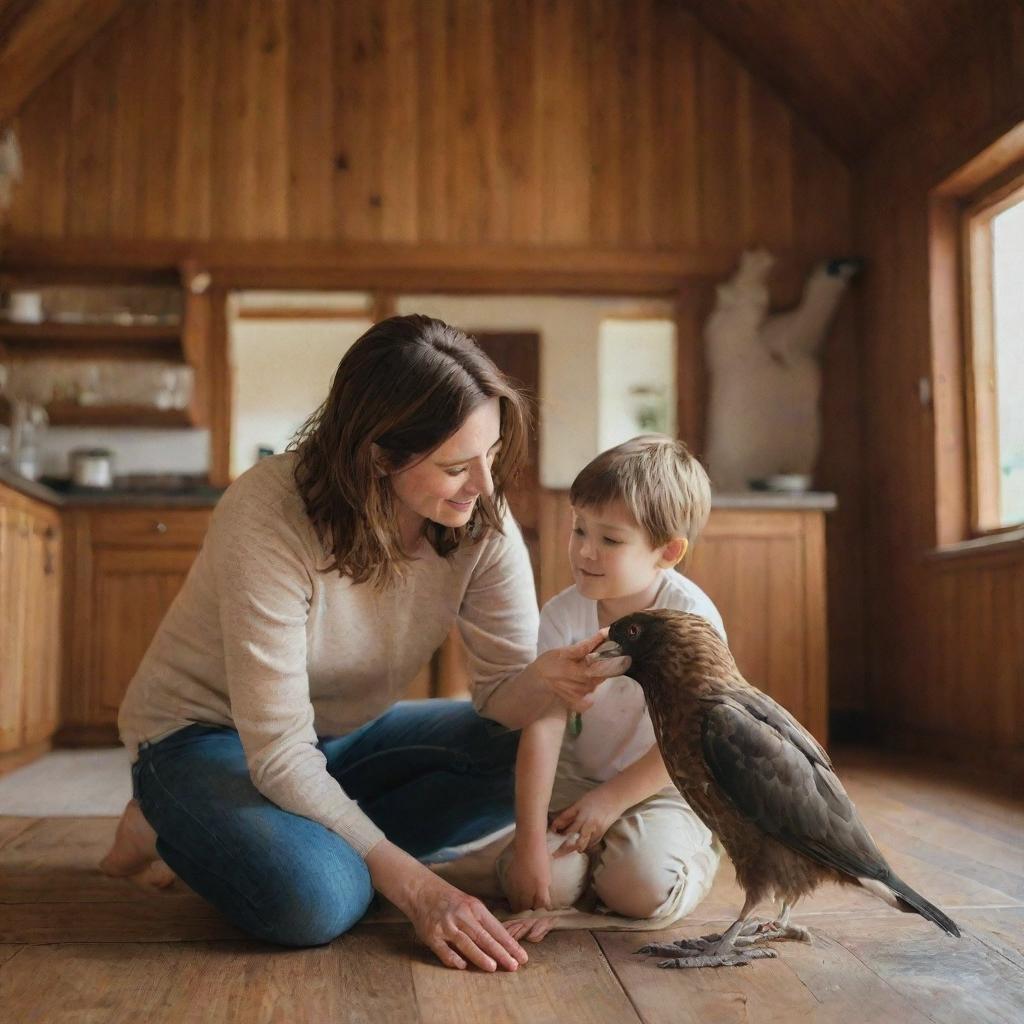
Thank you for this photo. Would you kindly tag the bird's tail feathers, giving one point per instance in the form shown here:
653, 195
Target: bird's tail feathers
897, 893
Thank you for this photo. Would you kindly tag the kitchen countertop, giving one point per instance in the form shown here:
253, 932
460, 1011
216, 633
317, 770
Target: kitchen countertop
204, 497
207, 497
804, 501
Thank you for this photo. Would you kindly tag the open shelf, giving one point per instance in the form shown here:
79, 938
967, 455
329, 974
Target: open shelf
71, 415
55, 330
92, 340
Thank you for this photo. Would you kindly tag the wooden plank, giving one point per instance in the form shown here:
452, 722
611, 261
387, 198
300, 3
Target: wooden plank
358, 40
822, 981
1002, 930
518, 211
163, 918
635, 83
9, 952
161, 42
310, 120
194, 153
672, 195
233, 171
362, 979
43, 193
562, 122
566, 980
11, 828
958, 981
268, 58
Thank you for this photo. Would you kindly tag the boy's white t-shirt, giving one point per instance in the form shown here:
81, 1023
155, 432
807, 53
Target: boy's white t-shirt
617, 728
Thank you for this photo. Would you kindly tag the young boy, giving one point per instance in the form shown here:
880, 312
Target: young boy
619, 825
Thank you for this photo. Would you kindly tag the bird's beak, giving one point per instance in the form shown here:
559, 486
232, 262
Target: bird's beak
608, 650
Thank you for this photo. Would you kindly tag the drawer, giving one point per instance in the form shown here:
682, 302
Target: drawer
162, 527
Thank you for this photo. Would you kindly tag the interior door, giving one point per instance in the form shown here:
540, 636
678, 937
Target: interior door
517, 355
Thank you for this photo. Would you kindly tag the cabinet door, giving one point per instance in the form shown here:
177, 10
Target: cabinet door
765, 572
15, 531
132, 590
41, 704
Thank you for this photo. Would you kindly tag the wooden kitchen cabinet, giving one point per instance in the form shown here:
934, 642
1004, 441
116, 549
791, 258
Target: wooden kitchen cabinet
124, 567
30, 636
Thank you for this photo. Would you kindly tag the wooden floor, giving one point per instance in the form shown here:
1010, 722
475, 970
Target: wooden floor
76, 946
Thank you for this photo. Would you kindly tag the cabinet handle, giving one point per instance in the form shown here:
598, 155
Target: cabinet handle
160, 527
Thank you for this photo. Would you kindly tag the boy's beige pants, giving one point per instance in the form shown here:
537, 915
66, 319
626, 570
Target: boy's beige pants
653, 867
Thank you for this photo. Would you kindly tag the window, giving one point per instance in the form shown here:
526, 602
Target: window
994, 235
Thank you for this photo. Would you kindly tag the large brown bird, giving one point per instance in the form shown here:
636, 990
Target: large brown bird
757, 778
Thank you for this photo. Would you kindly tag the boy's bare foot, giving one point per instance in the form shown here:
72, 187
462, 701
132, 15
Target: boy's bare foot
133, 854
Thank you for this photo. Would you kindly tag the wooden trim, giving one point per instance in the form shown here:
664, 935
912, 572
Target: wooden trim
220, 389
980, 163
385, 305
195, 342
988, 179
302, 313
815, 631
76, 659
1002, 545
392, 267
642, 312
1003, 763
695, 299
87, 736
1004, 191
979, 361
948, 366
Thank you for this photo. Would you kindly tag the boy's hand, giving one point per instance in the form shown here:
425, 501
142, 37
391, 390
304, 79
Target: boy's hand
572, 677
528, 879
586, 821
532, 929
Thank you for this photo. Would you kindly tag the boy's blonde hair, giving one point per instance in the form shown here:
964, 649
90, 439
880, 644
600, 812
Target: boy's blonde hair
663, 486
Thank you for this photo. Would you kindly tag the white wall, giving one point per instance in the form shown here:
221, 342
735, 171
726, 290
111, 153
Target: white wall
635, 354
569, 329
282, 371
136, 449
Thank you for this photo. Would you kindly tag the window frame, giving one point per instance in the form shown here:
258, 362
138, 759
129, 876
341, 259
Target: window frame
981, 392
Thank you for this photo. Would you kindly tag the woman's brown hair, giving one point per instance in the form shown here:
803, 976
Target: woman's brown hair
405, 387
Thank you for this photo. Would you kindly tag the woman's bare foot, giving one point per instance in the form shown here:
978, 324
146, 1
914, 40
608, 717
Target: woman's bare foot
133, 854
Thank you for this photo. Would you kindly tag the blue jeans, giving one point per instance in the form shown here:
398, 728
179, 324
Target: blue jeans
431, 774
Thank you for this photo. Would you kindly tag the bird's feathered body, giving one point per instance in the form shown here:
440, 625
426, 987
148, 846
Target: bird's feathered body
754, 775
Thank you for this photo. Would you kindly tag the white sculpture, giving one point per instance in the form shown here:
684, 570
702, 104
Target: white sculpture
765, 379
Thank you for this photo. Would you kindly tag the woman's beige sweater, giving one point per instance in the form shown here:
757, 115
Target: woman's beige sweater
260, 640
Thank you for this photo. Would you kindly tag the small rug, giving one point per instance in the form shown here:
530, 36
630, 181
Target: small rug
69, 784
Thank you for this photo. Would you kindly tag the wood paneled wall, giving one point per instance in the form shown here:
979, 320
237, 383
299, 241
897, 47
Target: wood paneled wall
535, 121
542, 123
945, 638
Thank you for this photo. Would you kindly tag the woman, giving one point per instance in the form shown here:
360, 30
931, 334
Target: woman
275, 769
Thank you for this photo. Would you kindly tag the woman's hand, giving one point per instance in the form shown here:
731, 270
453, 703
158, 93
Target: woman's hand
587, 820
528, 878
572, 676
458, 928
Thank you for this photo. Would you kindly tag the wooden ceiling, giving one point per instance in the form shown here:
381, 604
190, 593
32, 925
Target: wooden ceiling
38, 36
850, 67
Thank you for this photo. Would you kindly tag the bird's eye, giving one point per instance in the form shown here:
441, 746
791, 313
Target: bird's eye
633, 632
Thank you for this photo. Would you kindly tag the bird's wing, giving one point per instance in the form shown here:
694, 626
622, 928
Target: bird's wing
778, 777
